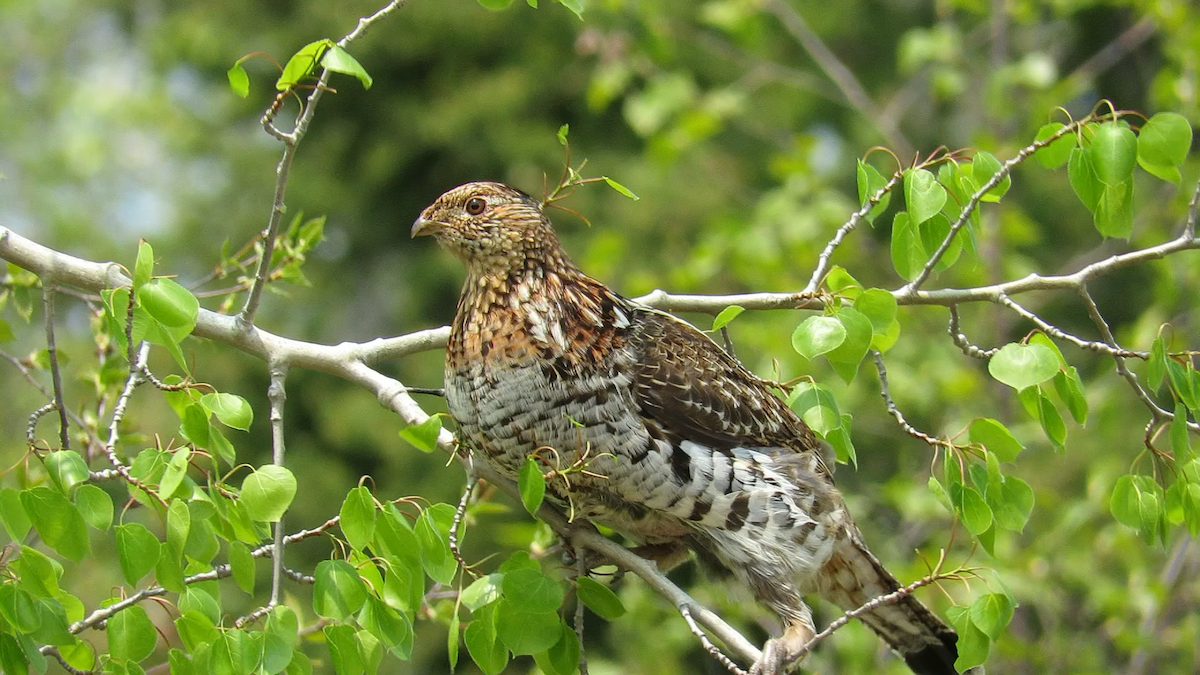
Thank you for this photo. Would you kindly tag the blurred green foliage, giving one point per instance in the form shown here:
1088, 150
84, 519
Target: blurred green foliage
119, 124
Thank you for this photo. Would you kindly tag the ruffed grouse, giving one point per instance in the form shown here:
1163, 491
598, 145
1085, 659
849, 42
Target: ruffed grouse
684, 448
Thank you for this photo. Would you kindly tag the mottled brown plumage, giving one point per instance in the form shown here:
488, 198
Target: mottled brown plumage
684, 448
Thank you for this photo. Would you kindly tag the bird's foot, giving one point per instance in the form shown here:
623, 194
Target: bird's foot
783, 653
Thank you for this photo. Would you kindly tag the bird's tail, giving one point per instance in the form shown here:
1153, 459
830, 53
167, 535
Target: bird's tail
854, 576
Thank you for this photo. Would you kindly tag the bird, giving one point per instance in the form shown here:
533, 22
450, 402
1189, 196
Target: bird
653, 429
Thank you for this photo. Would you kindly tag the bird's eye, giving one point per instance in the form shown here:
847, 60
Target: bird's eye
475, 206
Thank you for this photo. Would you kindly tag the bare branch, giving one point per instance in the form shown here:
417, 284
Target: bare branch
459, 514
276, 394
837, 71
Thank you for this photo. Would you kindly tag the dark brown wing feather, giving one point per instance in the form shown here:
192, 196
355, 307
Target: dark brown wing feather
694, 390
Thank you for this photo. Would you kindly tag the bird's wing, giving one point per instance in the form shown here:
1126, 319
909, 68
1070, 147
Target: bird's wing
692, 389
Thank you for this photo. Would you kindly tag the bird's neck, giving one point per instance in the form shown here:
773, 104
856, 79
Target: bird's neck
544, 300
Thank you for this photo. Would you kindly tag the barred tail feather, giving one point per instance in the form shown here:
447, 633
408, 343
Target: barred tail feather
855, 576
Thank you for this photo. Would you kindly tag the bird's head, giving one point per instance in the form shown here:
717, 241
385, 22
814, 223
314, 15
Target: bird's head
493, 228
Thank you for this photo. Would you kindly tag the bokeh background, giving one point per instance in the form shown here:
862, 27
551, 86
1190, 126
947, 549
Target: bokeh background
116, 123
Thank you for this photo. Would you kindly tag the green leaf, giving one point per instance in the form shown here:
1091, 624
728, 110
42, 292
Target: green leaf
1113, 216
526, 632
985, 165
996, 438
6, 333
815, 404
338, 592
233, 410
846, 357
935, 486
1020, 366
532, 485
1084, 181
991, 613
1057, 153
562, 134
575, 6
620, 188
817, 335
480, 636
1163, 144
728, 314
168, 572
599, 598
19, 608
1040, 407
484, 590
1181, 446
268, 492
973, 644
197, 599
340, 61
563, 657
358, 517
13, 514
908, 252
923, 195
66, 469
1070, 389
137, 549
495, 5
1126, 501
57, 522
840, 282
529, 590
932, 233
879, 306
1156, 366
1183, 381
241, 564
179, 522
131, 634
343, 649
143, 269
976, 514
94, 505
1014, 504
12, 659
423, 436
302, 64
1112, 153
392, 629
239, 81
431, 529
176, 470
277, 653
843, 445
869, 182
234, 652
169, 303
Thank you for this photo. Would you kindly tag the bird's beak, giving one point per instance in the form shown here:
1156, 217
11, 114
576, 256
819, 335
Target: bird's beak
423, 226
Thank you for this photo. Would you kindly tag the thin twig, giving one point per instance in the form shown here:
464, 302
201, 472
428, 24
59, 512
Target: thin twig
895, 411
1056, 332
55, 373
870, 605
714, 651
283, 169
581, 570
855, 218
459, 515
961, 341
